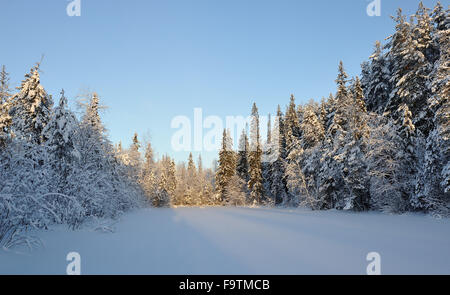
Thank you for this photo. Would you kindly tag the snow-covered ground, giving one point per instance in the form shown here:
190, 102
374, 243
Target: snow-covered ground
244, 241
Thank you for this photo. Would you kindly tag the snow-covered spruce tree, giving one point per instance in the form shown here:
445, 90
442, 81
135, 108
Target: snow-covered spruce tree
410, 69
148, 175
171, 177
204, 185
375, 80
5, 91
292, 138
433, 180
191, 182
242, 165
306, 163
409, 143
31, 108
5, 104
330, 109
60, 142
191, 170
134, 163
384, 163
266, 164
178, 196
255, 183
242, 157
312, 129
235, 195
422, 33
291, 123
165, 194
295, 180
278, 188
226, 169
354, 151
100, 180
331, 177
322, 113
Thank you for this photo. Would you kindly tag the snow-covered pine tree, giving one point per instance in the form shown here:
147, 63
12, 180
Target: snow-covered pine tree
433, 180
166, 191
408, 154
203, 185
100, 180
331, 178
295, 180
291, 123
192, 181
60, 141
171, 178
266, 163
278, 189
148, 176
242, 157
134, 155
312, 129
323, 113
5, 91
5, 104
410, 69
375, 80
162, 197
191, 170
255, 183
242, 165
227, 167
302, 155
330, 109
31, 108
384, 163
354, 153
235, 195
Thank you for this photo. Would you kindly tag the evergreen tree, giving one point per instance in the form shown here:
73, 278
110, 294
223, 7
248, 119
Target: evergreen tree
255, 183
331, 167
226, 168
410, 69
31, 109
60, 135
433, 179
242, 166
5, 105
134, 154
5, 91
291, 123
311, 127
278, 189
148, 177
191, 168
385, 159
375, 80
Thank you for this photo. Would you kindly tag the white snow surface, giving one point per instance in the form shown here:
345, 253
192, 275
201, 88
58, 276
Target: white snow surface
243, 241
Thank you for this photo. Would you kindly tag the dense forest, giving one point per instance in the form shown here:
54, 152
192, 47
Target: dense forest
381, 142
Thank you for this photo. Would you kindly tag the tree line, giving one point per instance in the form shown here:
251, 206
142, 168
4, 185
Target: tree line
381, 142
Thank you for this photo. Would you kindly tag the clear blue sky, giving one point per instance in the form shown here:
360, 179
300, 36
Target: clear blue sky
153, 60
